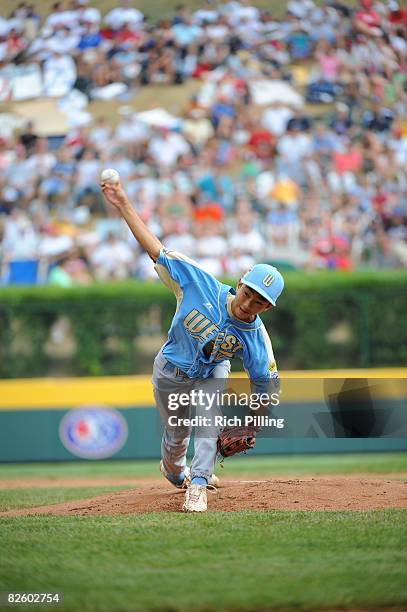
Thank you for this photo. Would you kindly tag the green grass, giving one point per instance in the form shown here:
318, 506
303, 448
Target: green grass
244, 561
11, 499
224, 561
245, 466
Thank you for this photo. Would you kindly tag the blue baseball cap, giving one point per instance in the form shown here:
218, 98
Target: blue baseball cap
266, 280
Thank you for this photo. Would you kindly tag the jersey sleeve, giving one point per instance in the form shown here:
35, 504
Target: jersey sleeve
260, 364
176, 271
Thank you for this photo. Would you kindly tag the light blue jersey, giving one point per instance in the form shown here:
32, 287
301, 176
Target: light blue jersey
204, 331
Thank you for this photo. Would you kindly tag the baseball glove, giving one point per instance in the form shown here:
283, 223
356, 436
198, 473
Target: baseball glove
234, 440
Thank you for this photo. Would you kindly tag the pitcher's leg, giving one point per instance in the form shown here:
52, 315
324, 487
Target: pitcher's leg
203, 462
205, 440
175, 439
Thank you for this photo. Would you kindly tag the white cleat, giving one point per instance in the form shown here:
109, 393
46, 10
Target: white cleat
214, 482
195, 499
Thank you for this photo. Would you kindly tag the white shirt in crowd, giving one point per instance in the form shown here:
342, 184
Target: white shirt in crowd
399, 44
52, 246
211, 246
183, 243
217, 31
165, 150
3, 51
59, 75
243, 12
72, 18
20, 240
88, 172
4, 26
131, 131
211, 265
63, 41
90, 14
239, 263
300, 8
399, 146
101, 136
40, 163
275, 119
250, 32
22, 173
205, 15
110, 254
120, 15
293, 147
265, 183
249, 243
60, 18
198, 130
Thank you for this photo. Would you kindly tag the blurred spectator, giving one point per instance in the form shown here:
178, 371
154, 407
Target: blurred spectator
245, 237
113, 259
122, 15
275, 118
367, 20
72, 270
165, 148
28, 138
341, 120
378, 118
236, 178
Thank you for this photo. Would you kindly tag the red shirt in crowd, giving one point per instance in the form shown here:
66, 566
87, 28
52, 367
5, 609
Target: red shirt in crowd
262, 144
349, 161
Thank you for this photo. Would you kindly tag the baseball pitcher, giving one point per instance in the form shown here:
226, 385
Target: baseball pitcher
212, 324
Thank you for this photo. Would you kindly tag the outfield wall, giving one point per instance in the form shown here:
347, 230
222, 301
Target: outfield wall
114, 417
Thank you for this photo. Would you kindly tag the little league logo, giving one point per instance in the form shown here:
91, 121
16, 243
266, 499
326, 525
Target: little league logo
267, 280
93, 432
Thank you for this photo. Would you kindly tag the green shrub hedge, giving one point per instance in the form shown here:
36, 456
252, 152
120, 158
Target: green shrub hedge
323, 320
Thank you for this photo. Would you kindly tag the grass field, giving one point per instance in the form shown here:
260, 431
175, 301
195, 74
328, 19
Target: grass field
223, 561
251, 561
11, 499
384, 463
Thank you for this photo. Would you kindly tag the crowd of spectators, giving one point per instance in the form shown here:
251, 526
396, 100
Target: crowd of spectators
236, 182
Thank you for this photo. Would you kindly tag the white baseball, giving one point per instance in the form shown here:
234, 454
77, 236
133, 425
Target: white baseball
110, 176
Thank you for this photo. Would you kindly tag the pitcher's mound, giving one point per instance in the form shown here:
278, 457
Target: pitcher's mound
333, 493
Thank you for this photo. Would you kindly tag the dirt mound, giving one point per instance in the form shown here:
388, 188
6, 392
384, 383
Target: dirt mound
335, 493
52, 482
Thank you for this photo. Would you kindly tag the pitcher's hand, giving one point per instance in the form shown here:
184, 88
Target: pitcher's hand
115, 195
